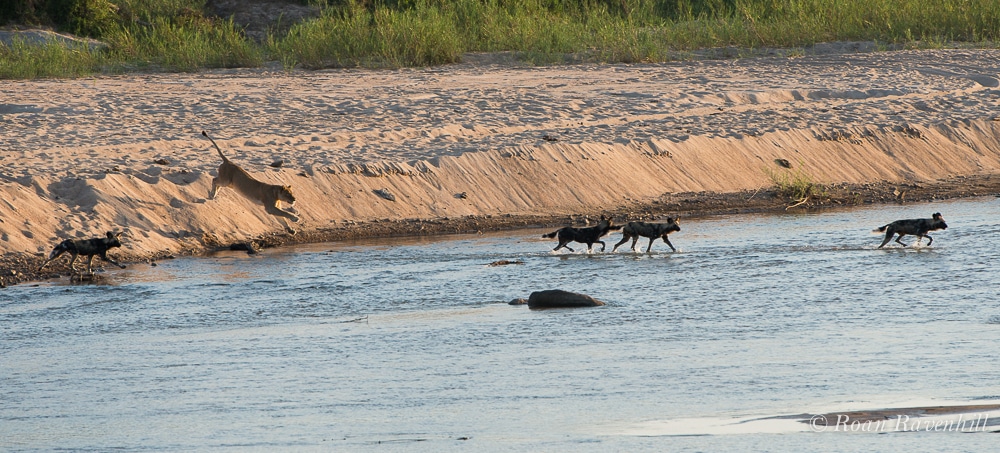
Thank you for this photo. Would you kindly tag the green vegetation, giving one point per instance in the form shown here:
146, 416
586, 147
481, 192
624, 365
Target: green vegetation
23, 61
178, 35
795, 184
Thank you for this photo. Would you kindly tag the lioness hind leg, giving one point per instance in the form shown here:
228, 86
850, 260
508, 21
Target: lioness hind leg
215, 189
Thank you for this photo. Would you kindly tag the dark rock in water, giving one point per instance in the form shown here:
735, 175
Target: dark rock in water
248, 247
505, 263
518, 301
557, 298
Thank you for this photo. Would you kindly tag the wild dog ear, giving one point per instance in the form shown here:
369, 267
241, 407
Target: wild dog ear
111, 235
936, 216
118, 235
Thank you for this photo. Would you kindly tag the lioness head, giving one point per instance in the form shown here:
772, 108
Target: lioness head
286, 195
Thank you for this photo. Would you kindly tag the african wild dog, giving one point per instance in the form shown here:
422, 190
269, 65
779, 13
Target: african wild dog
916, 227
88, 247
588, 235
633, 230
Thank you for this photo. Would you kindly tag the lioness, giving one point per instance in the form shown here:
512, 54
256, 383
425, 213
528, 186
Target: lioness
270, 195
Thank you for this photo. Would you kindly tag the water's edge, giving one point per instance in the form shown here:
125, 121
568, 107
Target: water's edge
16, 268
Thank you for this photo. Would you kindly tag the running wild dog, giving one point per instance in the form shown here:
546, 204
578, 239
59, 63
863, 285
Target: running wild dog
269, 195
916, 227
633, 230
88, 247
588, 235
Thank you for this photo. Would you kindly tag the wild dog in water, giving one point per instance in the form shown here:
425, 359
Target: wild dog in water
588, 235
916, 227
88, 247
269, 195
633, 230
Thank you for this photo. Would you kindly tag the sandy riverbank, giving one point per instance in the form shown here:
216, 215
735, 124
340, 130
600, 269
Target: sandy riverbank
482, 146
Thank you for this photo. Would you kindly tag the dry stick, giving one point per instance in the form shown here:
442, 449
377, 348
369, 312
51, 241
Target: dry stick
803, 200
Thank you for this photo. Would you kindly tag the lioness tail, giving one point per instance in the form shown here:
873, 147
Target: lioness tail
216, 146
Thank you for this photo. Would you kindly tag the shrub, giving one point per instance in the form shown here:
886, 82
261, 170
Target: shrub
794, 184
82, 17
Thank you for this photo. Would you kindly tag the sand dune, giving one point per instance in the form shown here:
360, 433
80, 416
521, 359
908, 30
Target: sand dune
125, 152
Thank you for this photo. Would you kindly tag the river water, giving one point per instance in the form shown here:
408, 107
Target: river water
410, 344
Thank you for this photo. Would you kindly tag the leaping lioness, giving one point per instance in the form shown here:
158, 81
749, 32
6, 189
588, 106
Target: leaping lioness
270, 195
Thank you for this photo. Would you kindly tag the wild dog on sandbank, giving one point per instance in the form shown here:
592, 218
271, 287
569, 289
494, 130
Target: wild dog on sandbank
87, 247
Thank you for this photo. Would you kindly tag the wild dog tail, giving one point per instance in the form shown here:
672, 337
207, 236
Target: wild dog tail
216, 146
59, 248
551, 235
880, 229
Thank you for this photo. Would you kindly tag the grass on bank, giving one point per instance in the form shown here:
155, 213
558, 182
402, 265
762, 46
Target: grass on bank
795, 185
21, 60
176, 35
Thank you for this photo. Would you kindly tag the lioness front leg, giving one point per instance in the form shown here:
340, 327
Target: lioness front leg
282, 215
277, 211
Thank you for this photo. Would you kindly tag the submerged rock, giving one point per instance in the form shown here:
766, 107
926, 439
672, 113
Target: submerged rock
557, 298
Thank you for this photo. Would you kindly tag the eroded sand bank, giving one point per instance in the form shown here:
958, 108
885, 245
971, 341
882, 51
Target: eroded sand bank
80, 157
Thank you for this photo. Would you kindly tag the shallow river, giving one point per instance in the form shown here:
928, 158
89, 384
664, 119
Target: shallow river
410, 344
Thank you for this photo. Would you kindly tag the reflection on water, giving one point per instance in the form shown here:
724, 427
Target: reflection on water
410, 344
